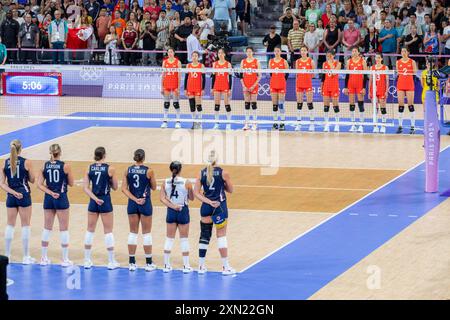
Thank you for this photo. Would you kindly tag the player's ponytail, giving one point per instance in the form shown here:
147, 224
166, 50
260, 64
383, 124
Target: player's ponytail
212, 158
16, 147
175, 168
55, 151
139, 155
99, 153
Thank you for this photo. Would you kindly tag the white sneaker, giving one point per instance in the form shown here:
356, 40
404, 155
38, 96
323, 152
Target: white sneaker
216, 126
202, 270
375, 129
164, 125
246, 127
311, 128
255, 127
336, 128
360, 129
45, 261
88, 264
353, 128
66, 263
326, 128
187, 269
228, 127
177, 125
228, 272
383, 129
167, 268
28, 260
113, 265
132, 267
298, 127
150, 267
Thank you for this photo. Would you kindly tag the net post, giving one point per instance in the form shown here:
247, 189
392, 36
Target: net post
374, 98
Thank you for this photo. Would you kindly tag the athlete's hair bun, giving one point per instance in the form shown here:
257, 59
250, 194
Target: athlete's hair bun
139, 155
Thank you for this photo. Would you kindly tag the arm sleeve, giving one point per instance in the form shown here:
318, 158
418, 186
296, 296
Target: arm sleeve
213, 79
365, 78
186, 76
322, 77
346, 80
203, 81
230, 81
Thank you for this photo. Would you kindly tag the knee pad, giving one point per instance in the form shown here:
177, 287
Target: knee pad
88, 238
254, 106
361, 106
64, 237
247, 106
401, 109
26, 233
184, 243
176, 105
352, 107
228, 108
191, 104
217, 107
411, 108
310, 106
205, 232
46, 235
299, 105
222, 243
336, 109
147, 239
166, 104
109, 240
199, 108
168, 244
132, 239
326, 109
383, 110
275, 108
9, 232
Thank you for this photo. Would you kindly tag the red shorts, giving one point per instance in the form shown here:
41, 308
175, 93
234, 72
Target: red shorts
226, 91
254, 91
355, 89
330, 91
300, 89
401, 87
170, 89
380, 95
278, 90
194, 93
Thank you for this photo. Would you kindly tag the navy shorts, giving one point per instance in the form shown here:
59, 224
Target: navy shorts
218, 215
146, 209
104, 208
179, 217
13, 202
62, 203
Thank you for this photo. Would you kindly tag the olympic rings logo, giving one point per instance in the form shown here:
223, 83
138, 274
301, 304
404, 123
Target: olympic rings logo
264, 90
91, 73
392, 90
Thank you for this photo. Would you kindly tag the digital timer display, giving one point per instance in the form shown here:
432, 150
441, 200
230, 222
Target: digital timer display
32, 84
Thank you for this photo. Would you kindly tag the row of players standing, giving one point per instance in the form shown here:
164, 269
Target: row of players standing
56, 176
355, 88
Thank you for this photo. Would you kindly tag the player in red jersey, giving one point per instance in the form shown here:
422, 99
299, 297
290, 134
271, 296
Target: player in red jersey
170, 86
355, 87
194, 85
250, 81
381, 87
330, 90
278, 87
406, 68
221, 86
304, 87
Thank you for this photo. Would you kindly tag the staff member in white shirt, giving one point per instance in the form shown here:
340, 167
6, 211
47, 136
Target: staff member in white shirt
193, 44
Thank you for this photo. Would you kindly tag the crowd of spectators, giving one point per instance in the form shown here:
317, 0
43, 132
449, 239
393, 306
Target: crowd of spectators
121, 27
370, 25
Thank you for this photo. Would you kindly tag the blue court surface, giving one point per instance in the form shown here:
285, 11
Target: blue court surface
295, 271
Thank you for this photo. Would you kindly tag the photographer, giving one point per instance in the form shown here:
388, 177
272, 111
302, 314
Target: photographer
148, 38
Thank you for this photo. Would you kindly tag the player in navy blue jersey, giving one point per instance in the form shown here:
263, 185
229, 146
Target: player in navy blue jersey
54, 179
138, 181
14, 179
99, 179
175, 194
215, 182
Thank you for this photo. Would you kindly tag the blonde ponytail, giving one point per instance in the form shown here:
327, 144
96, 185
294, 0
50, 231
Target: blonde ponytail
55, 151
212, 159
15, 146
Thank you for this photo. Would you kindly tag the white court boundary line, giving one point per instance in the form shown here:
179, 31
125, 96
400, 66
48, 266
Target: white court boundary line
334, 215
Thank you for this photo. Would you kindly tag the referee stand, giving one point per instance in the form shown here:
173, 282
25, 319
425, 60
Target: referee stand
3, 265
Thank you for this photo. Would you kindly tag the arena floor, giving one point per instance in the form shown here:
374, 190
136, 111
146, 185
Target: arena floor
318, 218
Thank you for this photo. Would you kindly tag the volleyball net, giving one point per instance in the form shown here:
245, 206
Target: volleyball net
134, 94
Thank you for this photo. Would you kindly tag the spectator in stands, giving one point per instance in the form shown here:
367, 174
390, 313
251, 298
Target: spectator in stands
129, 43
93, 9
154, 10
169, 11
346, 12
145, 19
312, 42
414, 42
332, 36
313, 13
111, 42
102, 24
380, 23
243, 12
295, 41
57, 32
431, 40
367, 8
206, 27
420, 13
271, 41
412, 22
302, 8
176, 5
135, 7
371, 44
287, 21
148, 37
221, 11
351, 37
118, 23
2, 14
18, 18
388, 40
9, 31
326, 16
108, 6
28, 39
43, 27
136, 25
207, 7
186, 12
174, 24
182, 33
446, 40
426, 25
407, 5
162, 29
